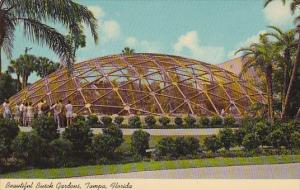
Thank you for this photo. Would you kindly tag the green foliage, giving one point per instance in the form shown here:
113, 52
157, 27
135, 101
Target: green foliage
295, 140
119, 120
150, 121
8, 87
186, 146
106, 120
166, 147
92, 121
46, 128
164, 121
276, 138
178, 121
229, 120
212, 143
140, 142
251, 141
105, 145
239, 135
60, 152
8, 132
134, 122
226, 137
30, 148
262, 130
204, 121
80, 135
190, 121
216, 120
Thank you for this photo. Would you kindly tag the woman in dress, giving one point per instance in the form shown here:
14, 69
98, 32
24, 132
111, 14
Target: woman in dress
17, 113
69, 113
7, 113
30, 113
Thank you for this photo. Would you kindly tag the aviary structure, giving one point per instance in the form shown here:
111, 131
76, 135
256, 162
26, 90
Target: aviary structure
145, 84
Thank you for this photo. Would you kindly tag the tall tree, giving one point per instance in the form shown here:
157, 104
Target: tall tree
261, 56
293, 6
128, 51
287, 43
45, 66
33, 14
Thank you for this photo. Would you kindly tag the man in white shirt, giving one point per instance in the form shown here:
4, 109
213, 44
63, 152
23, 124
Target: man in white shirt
69, 113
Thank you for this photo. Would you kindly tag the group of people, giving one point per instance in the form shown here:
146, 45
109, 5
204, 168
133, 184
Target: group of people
24, 112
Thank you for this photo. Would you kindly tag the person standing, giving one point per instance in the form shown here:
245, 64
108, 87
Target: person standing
30, 114
17, 113
69, 113
39, 108
57, 112
7, 113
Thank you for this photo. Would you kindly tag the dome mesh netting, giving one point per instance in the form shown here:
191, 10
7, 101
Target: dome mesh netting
145, 84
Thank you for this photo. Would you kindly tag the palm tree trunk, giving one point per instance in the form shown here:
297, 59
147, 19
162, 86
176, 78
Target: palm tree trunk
270, 93
286, 76
0, 61
291, 84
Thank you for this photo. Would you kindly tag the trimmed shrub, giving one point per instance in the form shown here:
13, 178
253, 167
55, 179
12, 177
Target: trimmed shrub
186, 146
178, 121
134, 122
30, 148
226, 137
295, 140
164, 121
216, 120
107, 121
166, 147
46, 128
190, 121
251, 141
60, 152
212, 143
93, 121
229, 120
239, 135
204, 121
276, 138
8, 132
140, 142
150, 121
118, 120
116, 134
262, 130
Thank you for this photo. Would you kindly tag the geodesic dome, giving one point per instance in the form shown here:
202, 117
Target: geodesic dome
145, 84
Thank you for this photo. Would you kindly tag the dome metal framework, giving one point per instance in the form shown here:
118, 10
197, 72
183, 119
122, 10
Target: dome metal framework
145, 84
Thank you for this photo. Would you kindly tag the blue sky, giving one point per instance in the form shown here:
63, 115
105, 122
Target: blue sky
207, 30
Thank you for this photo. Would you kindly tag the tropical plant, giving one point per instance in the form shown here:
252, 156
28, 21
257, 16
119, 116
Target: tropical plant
31, 15
226, 137
8, 132
140, 142
178, 121
134, 122
46, 128
45, 66
8, 86
119, 120
127, 51
212, 143
164, 121
251, 141
150, 120
190, 121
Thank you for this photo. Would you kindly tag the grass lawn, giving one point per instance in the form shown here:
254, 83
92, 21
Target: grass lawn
153, 141
148, 166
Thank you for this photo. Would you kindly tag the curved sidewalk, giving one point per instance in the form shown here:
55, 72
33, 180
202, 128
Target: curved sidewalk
155, 132
274, 171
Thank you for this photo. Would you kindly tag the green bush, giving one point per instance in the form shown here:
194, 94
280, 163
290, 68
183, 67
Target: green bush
166, 148
164, 121
262, 130
178, 121
80, 135
116, 134
216, 120
295, 140
239, 135
186, 146
251, 141
119, 120
92, 121
190, 121
276, 138
107, 121
46, 128
229, 120
226, 137
140, 142
150, 121
8, 132
79, 117
204, 121
30, 148
60, 152
134, 122
212, 143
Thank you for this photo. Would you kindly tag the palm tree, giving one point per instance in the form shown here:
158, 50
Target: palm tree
45, 66
128, 51
32, 15
293, 6
287, 43
261, 56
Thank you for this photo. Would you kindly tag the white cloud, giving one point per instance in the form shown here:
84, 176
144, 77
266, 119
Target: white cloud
276, 13
142, 45
111, 30
247, 42
190, 42
97, 11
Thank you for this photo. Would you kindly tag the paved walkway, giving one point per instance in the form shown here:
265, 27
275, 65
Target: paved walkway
154, 132
275, 171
